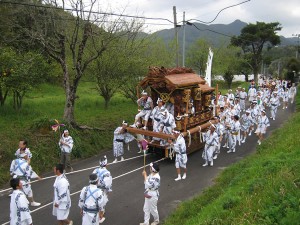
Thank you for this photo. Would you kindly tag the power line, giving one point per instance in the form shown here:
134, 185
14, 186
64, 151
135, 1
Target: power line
219, 13
86, 11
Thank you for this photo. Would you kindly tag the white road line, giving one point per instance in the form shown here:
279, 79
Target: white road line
77, 192
77, 171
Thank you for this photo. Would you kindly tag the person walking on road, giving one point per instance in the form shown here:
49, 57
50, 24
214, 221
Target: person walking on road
62, 198
263, 123
66, 146
20, 168
19, 205
152, 184
92, 202
104, 179
121, 136
211, 139
181, 157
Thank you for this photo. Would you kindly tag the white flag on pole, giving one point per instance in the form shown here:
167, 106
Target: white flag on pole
208, 67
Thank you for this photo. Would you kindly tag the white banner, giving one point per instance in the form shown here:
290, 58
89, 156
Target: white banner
208, 67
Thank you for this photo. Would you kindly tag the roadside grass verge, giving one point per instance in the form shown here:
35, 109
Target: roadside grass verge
45, 104
263, 188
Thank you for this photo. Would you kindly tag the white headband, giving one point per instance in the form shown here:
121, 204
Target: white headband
152, 168
93, 181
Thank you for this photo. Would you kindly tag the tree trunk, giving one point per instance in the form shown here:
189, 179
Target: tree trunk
69, 107
255, 72
70, 92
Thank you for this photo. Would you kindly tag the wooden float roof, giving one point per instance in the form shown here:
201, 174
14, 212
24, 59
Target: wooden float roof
177, 81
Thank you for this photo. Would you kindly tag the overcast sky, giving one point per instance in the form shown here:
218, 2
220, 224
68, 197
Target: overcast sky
286, 12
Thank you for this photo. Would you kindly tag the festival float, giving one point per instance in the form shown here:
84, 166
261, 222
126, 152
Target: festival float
184, 89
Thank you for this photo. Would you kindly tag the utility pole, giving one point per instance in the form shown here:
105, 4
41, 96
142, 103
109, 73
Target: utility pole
183, 42
176, 35
297, 51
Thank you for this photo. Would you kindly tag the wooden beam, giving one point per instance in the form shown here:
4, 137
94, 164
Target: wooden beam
149, 133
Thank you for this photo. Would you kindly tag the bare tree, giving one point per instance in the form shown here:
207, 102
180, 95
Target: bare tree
74, 34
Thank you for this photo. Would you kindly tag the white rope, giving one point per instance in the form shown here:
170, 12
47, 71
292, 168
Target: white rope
190, 138
77, 192
73, 172
200, 134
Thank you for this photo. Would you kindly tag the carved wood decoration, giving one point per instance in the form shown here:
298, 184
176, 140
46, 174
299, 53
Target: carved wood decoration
197, 94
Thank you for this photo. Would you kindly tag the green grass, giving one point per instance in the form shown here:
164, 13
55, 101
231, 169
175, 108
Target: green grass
261, 189
223, 87
41, 107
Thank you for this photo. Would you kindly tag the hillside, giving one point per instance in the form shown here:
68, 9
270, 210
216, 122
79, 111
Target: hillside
213, 33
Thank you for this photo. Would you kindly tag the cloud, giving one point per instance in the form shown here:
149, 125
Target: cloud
287, 13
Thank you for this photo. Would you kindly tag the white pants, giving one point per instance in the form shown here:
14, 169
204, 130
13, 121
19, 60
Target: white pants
27, 189
208, 152
180, 160
273, 111
242, 104
232, 141
150, 206
145, 114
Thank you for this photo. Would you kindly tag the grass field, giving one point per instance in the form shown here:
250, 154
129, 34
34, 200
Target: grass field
261, 189
45, 104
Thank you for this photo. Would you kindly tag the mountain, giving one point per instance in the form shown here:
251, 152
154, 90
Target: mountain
216, 34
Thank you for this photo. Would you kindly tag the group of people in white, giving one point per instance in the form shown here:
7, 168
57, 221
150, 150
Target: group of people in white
233, 123
92, 200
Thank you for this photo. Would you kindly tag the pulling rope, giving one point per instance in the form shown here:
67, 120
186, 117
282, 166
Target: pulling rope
76, 171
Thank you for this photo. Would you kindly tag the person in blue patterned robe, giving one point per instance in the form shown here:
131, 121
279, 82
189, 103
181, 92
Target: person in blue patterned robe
19, 205
151, 194
62, 198
92, 203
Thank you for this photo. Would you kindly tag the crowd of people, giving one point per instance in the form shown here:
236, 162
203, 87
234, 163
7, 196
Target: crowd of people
233, 123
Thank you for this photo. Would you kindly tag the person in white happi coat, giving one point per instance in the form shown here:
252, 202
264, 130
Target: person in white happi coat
234, 129
246, 122
231, 96
104, 180
263, 123
254, 112
19, 205
237, 107
62, 198
121, 136
92, 202
285, 98
156, 117
152, 184
293, 91
66, 146
220, 128
22, 170
211, 141
167, 124
252, 93
146, 103
179, 147
23, 149
227, 121
274, 104
243, 96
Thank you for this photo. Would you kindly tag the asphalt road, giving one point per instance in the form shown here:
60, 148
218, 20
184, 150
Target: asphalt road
125, 204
